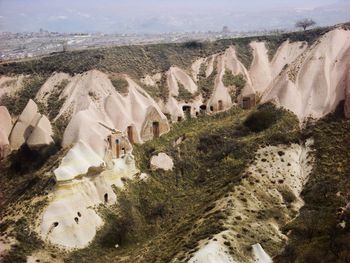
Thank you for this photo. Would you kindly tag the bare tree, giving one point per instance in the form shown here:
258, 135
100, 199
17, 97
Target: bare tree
305, 23
64, 46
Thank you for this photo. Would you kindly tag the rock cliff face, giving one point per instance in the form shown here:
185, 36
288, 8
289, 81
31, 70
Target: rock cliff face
315, 83
5, 130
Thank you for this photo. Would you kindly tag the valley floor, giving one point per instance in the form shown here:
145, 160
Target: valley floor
236, 183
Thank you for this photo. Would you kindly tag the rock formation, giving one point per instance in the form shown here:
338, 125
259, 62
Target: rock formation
5, 130
162, 161
347, 97
135, 114
315, 83
32, 128
70, 220
277, 176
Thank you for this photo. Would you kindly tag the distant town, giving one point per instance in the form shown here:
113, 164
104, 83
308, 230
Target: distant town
15, 46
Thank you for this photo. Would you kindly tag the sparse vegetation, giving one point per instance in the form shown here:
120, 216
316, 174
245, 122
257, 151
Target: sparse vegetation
17, 102
193, 44
120, 84
159, 225
244, 52
233, 80
184, 94
137, 61
237, 81
206, 84
163, 89
315, 234
263, 118
25, 180
160, 90
54, 102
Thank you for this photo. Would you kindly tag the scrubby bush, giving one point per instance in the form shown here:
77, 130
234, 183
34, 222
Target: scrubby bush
163, 89
193, 44
120, 85
263, 118
234, 80
184, 94
54, 103
206, 84
17, 102
25, 160
116, 229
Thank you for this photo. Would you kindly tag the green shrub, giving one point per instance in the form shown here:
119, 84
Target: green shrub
23, 234
120, 85
193, 44
163, 89
244, 51
206, 85
262, 119
238, 81
184, 94
54, 103
25, 160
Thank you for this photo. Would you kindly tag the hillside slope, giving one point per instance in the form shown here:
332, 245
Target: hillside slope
235, 122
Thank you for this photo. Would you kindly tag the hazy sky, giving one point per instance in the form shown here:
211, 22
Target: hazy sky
155, 16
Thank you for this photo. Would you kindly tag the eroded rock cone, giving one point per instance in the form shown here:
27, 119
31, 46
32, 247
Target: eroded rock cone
5, 130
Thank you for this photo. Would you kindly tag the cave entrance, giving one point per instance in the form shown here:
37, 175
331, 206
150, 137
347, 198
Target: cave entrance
220, 105
130, 134
246, 103
187, 110
105, 197
155, 128
117, 148
202, 109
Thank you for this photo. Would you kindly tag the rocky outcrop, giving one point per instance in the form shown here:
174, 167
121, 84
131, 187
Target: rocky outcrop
315, 83
175, 76
71, 219
162, 161
41, 134
92, 100
5, 130
32, 128
265, 201
263, 71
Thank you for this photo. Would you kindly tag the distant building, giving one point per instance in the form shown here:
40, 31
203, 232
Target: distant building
225, 30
